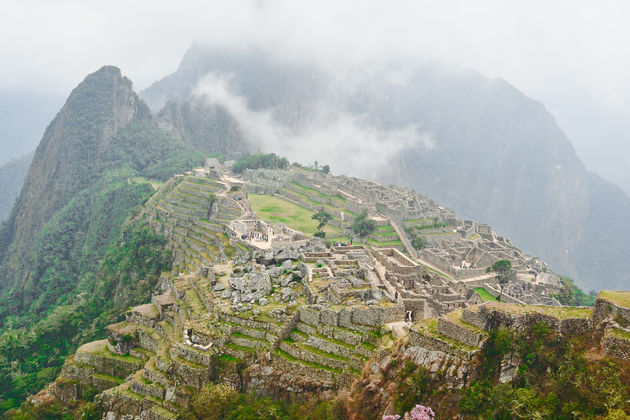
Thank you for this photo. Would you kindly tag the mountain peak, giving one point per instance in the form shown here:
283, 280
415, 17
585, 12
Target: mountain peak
74, 145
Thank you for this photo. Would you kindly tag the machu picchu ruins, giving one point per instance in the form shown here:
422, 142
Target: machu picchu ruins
255, 301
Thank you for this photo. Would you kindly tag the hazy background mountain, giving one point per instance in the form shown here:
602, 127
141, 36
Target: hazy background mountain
24, 115
12, 176
475, 144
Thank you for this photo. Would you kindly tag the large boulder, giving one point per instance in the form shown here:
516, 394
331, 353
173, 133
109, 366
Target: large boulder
251, 286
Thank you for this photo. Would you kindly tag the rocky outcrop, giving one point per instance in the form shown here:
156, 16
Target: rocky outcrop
71, 151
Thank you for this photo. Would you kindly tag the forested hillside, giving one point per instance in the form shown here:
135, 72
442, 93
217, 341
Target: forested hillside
69, 263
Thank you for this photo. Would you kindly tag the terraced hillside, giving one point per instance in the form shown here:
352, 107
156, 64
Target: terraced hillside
191, 211
226, 305
292, 316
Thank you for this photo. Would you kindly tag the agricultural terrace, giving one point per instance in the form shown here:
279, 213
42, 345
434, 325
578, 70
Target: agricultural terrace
618, 298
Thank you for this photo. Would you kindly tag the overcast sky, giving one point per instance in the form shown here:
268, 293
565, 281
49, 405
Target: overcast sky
573, 56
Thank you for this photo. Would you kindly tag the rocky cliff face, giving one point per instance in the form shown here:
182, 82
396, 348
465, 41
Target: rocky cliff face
89, 174
207, 128
496, 155
66, 160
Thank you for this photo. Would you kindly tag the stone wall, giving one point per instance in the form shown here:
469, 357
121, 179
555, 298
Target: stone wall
604, 309
360, 319
464, 335
617, 347
431, 343
107, 365
475, 318
570, 326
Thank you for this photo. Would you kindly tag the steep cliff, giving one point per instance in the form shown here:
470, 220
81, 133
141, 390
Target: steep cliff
68, 158
101, 158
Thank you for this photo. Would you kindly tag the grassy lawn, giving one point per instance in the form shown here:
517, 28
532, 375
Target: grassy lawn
386, 243
341, 200
386, 233
384, 229
474, 237
617, 333
343, 239
560, 312
142, 180
414, 221
274, 209
485, 295
618, 298
338, 199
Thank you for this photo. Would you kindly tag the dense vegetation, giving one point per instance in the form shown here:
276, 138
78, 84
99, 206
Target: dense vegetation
363, 225
80, 295
12, 176
222, 402
67, 266
260, 160
556, 378
572, 295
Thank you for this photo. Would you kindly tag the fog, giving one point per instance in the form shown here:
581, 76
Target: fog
349, 143
571, 55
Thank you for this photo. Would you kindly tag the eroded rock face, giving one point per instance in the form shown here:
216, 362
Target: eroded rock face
456, 370
509, 368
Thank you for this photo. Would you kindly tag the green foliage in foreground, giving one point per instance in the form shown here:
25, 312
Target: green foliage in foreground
222, 402
554, 380
260, 160
30, 356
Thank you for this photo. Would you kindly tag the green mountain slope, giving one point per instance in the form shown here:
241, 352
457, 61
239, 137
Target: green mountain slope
61, 248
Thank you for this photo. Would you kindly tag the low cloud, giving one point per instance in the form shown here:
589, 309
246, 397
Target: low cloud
347, 142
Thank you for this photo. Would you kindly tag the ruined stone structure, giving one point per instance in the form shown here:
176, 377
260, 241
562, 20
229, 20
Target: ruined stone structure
299, 314
454, 339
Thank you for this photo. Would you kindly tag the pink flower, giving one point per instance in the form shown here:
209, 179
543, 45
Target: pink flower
420, 412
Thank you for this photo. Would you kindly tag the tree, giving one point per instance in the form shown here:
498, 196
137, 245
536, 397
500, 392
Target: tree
322, 217
326, 169
363, 226
419, 242
502, 268
260, 160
